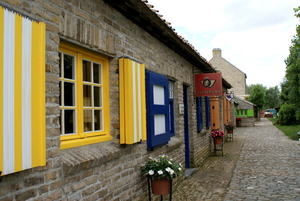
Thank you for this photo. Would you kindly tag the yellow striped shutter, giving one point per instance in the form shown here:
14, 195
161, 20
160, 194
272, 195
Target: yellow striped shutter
132, 101
22, 92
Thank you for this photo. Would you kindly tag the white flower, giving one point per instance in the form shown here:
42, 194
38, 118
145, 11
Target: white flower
168, 169
160, 172
151, 172
179, 169
171, 171
170, 162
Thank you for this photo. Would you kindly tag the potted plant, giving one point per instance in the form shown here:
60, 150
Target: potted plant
217, 135
161, 171
229, 127
238, 121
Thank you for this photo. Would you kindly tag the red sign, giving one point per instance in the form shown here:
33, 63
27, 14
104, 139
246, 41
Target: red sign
208, 84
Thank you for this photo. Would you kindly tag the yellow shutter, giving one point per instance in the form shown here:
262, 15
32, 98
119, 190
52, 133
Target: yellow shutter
22, 92
132, 101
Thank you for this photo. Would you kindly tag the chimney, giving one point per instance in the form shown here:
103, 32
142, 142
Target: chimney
217, 52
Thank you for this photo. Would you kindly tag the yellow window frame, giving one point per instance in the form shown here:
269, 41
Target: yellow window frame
84, 138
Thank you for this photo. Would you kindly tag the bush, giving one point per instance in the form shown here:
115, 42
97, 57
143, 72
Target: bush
287, 115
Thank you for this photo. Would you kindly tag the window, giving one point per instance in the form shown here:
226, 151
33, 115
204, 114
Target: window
171, 107
84, 97
199, 114
207, 111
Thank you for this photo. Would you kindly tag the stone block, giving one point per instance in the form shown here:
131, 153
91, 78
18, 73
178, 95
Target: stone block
34, 180
26, 195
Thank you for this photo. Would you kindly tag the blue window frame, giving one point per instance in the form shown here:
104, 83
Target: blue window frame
158, 124
207, 111
199, 114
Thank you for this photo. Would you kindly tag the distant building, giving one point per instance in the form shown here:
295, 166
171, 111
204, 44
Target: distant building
231, 73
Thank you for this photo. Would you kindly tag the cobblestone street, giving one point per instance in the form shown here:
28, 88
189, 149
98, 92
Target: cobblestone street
260, 164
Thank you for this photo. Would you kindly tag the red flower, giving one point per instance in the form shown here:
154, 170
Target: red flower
217, 133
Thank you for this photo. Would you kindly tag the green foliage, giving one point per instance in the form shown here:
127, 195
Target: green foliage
257, 95
287, 115
161, 167
290, 131
272, 97
291, 86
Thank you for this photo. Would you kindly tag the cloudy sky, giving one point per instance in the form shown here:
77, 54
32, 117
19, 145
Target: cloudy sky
254, 35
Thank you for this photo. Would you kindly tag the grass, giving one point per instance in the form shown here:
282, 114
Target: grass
290, 131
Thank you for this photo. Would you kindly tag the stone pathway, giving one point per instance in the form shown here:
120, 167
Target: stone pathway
261, 164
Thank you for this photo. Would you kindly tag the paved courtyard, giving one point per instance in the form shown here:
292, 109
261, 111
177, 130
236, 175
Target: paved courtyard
260, 164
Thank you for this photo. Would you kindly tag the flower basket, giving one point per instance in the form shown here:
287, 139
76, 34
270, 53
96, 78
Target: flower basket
217, 133
161, 171
229, 126
161, 168
238, 121
218, 140
161, 186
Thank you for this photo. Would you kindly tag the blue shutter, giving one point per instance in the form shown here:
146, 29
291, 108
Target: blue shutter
199, 114
207, 111
156, 140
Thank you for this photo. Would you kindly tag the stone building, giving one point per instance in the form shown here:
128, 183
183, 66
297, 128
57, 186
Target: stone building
79, 79
231, 73
244, 110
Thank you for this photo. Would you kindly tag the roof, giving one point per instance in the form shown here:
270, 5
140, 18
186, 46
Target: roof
237, 99
145, 16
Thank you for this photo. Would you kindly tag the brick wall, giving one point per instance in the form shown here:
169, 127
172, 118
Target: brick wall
105, 171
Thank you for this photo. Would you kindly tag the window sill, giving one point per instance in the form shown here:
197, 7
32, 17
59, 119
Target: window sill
85, 157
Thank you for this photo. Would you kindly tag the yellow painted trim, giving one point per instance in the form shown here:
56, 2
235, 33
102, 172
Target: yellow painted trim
106, 99
143, 101
79, 98
81, 138
129, 102
38, 94
86, 141
1, 84
18, 93
122, 101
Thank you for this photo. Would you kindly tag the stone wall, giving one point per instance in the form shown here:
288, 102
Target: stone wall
230, 73
108, 170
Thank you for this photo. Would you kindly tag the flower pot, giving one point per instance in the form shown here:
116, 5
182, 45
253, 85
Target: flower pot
161, 186
218, 140
229, 130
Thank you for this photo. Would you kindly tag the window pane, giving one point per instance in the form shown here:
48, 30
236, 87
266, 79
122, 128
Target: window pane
69, 67
69, 94
171, 89
87, 95
98, 120
97, 97
59, 55
159, 124
97, 73
158, 95
86, 71
88, 120
69, 121
60, 96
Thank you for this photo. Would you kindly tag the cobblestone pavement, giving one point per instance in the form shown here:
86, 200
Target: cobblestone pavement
260, 164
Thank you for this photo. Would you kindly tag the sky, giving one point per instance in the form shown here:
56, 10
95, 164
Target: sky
254, 35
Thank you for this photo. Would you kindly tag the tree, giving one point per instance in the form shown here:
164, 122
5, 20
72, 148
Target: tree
272, 97
257, 94
291, 87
